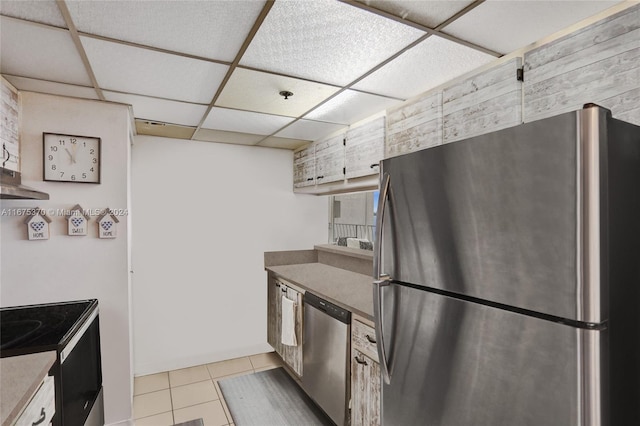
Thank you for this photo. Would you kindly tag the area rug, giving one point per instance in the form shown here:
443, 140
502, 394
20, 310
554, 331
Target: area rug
197, 422
270, 398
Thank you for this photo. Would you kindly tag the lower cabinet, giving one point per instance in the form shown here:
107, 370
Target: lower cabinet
365, 376
276, 290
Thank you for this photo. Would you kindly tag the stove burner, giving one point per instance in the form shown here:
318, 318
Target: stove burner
15, 332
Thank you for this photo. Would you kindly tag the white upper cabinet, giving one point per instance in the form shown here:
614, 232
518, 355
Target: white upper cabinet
329, 155
415, 125
364, 148
486, 102
597, 64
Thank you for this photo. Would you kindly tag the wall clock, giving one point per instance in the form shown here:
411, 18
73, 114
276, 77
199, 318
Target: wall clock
68, 158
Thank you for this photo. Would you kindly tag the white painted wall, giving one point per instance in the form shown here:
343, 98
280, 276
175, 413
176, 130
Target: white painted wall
204, 215
73, 268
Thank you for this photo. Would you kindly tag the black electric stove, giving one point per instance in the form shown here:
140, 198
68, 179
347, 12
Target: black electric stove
39, 328
72, 330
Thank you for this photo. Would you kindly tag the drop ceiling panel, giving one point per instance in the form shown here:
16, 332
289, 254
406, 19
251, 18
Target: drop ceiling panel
130, 69
427, 65
41, 86
236, 138
162, 110
43, 11
211, 29
325, 40
283, 143
505, 26
309, 130
244, 121
428, 13
35, 51
351, 106
259, 91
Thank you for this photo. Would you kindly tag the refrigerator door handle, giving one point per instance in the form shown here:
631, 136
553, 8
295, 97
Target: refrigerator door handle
378, 317
384, 196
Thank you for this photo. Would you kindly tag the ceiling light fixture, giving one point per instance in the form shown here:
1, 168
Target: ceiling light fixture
286, 94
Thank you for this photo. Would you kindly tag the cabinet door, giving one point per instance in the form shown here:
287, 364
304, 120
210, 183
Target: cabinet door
304, 167
364, 149
274, 312
597, 64
414, 126
292, 355
484, 103
9, 137
330, 160
365, 390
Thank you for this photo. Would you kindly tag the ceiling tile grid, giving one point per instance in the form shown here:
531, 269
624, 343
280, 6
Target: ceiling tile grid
505, 26
309, 130
428, 13
160, 110
124, 68
42, 11
36, 51
211, 29
325, 40
168, 58
259, 91
351, 106
244, 121
425, 66
52, 88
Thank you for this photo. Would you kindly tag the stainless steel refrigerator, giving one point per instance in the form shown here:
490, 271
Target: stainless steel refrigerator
508, 270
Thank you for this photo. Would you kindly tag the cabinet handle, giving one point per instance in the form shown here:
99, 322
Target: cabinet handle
374, 165
320, 177
363, 362
308, 179
43, 416
371, 339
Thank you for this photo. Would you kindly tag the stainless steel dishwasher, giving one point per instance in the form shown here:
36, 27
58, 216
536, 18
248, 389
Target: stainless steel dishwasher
325, 349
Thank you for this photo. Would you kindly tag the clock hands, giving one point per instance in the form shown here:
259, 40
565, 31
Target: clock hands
73, 160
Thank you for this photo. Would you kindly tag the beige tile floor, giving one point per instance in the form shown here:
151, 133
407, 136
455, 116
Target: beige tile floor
191, 393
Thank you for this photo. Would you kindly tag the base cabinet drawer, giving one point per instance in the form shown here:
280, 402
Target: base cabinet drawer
363, 338
41, 408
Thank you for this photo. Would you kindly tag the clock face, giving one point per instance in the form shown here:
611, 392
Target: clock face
69, 158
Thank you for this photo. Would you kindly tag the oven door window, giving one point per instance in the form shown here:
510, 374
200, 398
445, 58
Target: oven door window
81, 377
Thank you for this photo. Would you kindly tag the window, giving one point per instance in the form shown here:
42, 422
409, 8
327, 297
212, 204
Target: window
352, 219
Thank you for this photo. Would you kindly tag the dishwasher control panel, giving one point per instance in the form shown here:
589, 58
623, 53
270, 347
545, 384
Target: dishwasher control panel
329, 308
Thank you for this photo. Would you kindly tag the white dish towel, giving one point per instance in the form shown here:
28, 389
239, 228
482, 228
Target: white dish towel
289, 322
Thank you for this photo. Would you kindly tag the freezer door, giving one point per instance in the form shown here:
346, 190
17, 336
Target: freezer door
511, 217
459, 363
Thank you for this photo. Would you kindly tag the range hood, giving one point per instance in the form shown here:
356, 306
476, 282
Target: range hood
11, 187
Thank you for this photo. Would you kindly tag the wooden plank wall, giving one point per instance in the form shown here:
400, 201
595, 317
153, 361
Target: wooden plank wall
364, 148
483, 103
597, 64
414, 126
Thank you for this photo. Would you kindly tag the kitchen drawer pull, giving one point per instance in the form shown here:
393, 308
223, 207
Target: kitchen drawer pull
43, 416
363, 362
371, 339
309, 179
320, 177
374, 165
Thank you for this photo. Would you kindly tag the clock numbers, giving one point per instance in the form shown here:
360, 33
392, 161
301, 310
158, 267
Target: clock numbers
71, 158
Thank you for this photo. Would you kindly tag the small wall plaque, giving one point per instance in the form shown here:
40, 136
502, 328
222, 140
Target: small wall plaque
107, 224
77, 221
37, 224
